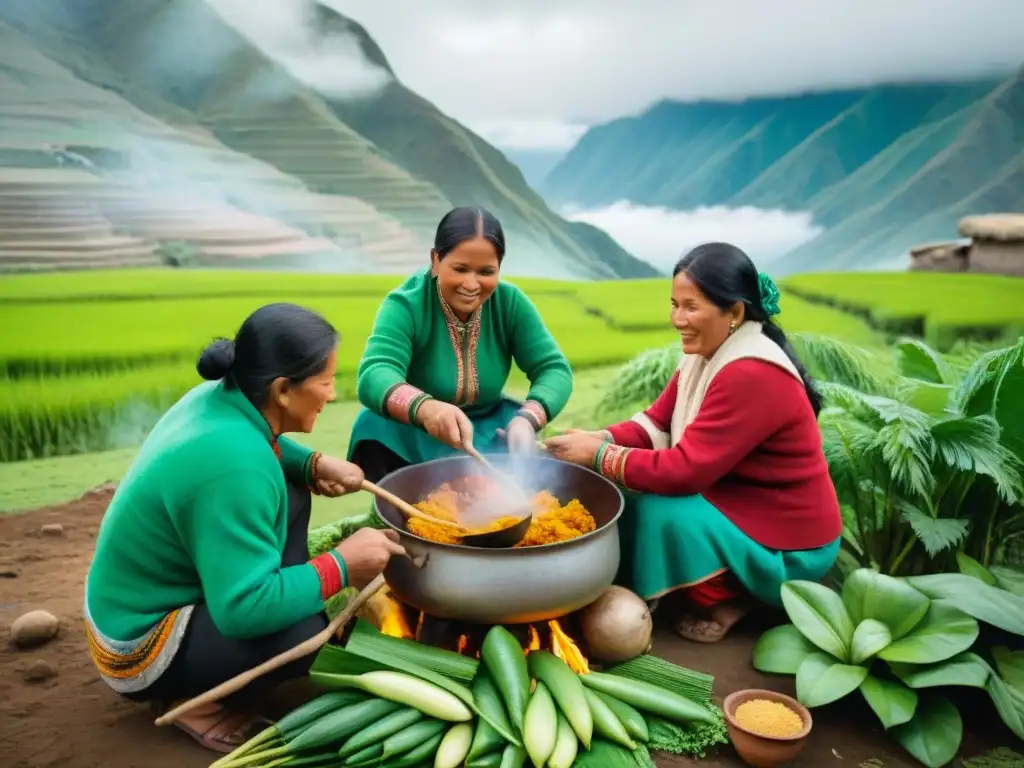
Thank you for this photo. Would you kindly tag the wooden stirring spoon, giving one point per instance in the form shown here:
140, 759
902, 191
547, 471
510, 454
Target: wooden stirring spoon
408, 510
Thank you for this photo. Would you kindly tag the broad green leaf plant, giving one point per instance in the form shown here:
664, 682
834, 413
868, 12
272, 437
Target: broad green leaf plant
927, 463
896, 641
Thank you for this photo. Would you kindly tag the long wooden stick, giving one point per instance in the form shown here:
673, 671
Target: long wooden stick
312, 645
408, 509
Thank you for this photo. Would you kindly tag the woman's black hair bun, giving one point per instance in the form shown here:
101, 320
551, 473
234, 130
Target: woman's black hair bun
216, 360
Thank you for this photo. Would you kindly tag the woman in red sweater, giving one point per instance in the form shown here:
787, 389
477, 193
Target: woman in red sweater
730, 492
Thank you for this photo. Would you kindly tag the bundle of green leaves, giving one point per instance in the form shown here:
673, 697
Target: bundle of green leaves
896, 641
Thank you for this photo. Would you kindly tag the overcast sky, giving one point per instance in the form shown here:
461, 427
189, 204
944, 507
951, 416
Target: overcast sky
535, 73
525, 63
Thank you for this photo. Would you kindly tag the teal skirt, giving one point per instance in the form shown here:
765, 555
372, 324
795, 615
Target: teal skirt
414, 445
673, 542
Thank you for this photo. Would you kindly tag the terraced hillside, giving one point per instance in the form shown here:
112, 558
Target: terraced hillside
49, 220
231, 126
67, 146
881, 169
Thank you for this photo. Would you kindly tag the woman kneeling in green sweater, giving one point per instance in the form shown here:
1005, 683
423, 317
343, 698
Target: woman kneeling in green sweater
433, 374
201, 568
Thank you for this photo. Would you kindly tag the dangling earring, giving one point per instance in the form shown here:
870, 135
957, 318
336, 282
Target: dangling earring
732, 328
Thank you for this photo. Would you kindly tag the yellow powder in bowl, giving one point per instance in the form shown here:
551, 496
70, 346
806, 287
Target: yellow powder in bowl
768, 718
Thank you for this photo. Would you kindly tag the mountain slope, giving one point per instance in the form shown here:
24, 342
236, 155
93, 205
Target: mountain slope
880, 168
973, 163
469, 171
179, 62
58, 209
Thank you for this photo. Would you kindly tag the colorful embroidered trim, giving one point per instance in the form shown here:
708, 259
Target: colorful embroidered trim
276, 447
314, 478
134, 665
402, 402
327, 567
124, 666
464, 337
342, 567
534, 412
610, 461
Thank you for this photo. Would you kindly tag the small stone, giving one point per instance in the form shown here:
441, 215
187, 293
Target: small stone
8, 574
34, 628
39, 671
100, 491
52, 529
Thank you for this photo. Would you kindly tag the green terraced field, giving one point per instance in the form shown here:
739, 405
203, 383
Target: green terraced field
96, 356
642, 305
940, 306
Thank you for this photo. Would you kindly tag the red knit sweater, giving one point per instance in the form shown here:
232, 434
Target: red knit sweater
753, 451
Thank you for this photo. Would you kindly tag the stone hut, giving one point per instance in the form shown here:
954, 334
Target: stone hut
994, 244
997, 243
940, 257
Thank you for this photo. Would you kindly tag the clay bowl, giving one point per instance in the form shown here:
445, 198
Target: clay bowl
760, 751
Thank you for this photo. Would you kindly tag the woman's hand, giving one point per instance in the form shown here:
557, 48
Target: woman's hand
600, 434
366, 552
520, 436
446, 423
575, 447
336, 477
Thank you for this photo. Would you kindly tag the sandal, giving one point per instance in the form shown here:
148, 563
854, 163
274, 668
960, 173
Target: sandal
227, 730
700, 630
712, 629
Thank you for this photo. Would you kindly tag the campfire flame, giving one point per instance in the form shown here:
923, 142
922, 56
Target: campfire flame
391, 619
534, 644
388, 615
566, 649
393, 623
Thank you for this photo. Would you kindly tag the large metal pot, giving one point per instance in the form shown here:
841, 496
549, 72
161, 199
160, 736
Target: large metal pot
506, 586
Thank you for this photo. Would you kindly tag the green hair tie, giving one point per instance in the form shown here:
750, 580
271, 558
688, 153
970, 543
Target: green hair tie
769, 294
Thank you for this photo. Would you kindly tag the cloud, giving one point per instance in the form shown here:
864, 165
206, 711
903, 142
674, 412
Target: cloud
661, 236
586, 61
530, 134
330, 62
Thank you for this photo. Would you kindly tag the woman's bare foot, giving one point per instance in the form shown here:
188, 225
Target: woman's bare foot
723, 618
218, 728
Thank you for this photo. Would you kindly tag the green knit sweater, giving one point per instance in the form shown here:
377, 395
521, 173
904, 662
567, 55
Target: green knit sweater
417, 341
202, 515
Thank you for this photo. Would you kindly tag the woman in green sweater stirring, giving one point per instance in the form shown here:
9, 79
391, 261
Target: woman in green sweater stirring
438, 358
201, 569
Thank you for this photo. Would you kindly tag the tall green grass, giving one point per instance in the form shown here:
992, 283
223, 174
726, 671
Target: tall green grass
941, 307
54, 338
92, 369
640, 305
88, 361
85, 412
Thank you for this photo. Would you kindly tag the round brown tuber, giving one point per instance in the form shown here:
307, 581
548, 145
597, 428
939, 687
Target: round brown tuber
617, 626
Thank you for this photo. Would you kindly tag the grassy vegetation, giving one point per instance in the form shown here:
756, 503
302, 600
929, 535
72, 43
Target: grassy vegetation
98, 356
643, 305
33, 484
941, 307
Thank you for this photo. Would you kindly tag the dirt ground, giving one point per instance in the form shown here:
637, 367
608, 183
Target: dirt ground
73, 720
